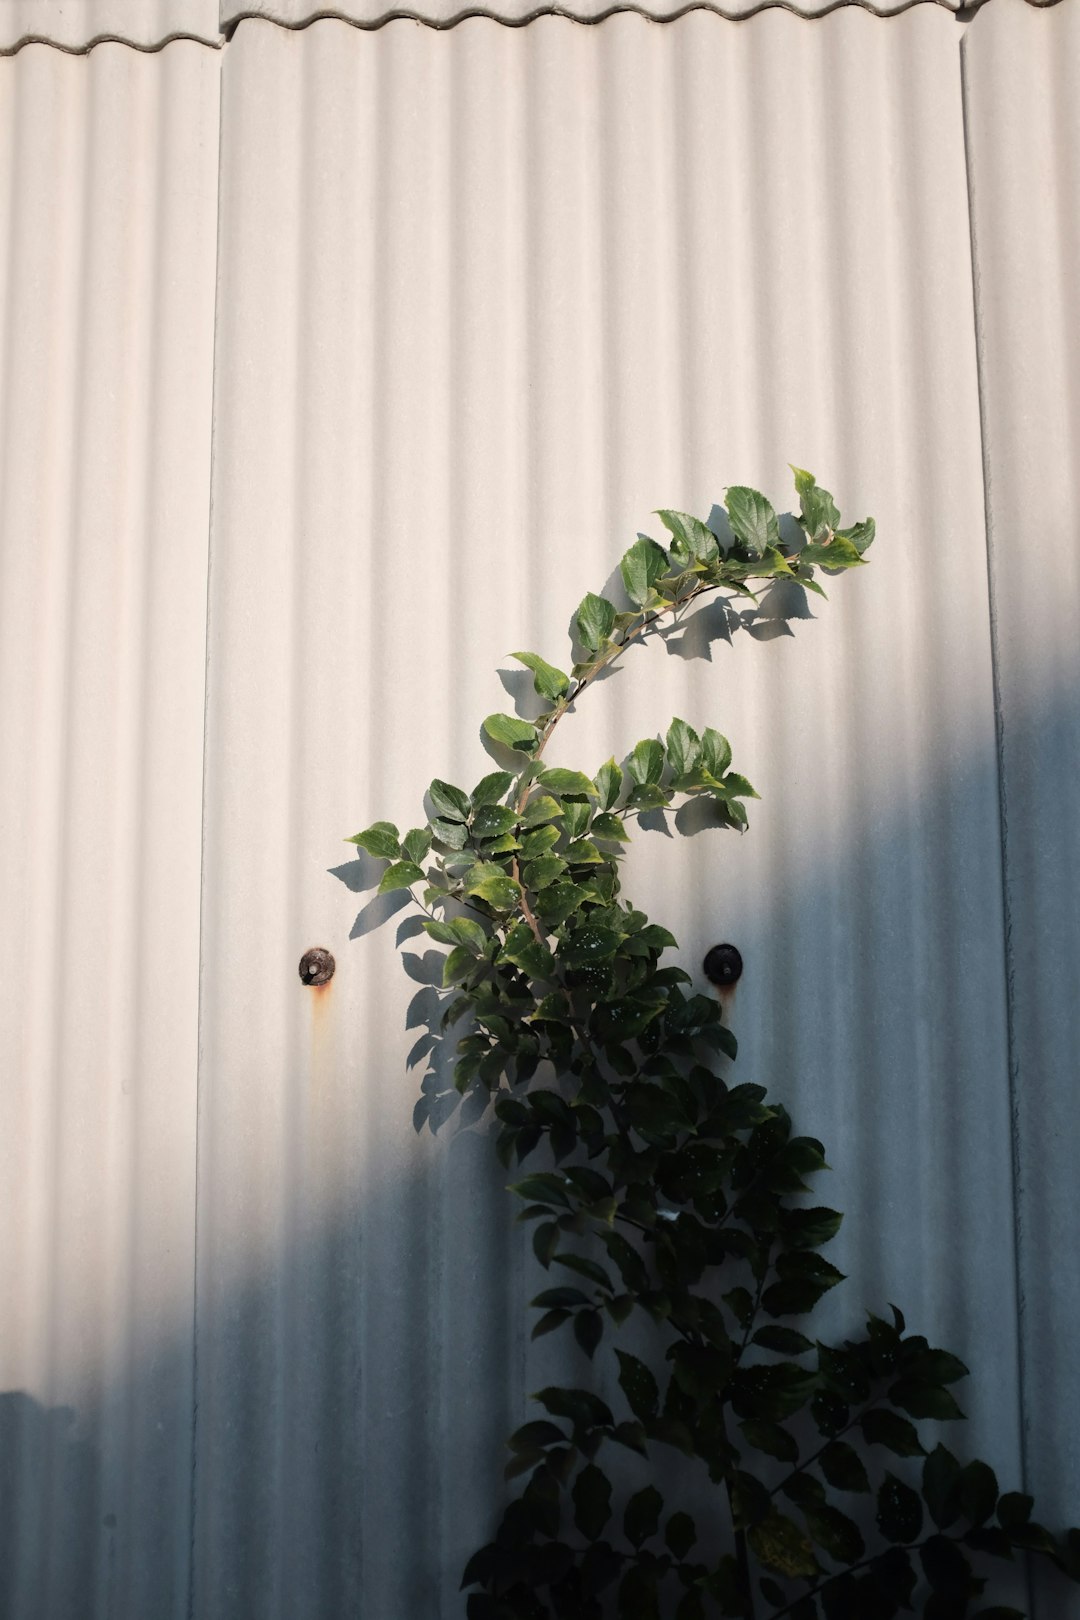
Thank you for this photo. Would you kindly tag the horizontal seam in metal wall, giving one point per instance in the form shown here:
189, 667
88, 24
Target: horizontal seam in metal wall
962, 14
212, 43
372, 23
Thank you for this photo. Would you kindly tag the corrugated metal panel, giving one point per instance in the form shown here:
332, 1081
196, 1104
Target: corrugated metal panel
486, 298
1022, 82
108, 170
76, 25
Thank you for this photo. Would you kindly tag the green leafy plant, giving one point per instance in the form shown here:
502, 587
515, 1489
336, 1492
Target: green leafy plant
663, 1193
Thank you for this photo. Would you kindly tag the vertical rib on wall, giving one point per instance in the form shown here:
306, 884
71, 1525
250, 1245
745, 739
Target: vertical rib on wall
486, 298
108, 170
1022, 83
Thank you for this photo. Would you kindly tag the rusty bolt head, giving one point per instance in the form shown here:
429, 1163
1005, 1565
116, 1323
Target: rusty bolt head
317, 966
723, 966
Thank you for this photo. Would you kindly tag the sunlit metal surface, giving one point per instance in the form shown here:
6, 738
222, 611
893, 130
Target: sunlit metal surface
78, 25
108, 177
485, 297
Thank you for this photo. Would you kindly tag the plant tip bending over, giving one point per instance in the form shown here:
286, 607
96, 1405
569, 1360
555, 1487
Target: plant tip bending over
657, 1191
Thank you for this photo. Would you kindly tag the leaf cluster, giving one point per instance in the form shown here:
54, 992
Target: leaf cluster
657, 1190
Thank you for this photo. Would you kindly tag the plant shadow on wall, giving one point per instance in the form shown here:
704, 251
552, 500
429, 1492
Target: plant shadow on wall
660, 1195
41, 1457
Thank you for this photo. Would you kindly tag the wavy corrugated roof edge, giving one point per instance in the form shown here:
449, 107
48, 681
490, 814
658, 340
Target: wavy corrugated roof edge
149, 25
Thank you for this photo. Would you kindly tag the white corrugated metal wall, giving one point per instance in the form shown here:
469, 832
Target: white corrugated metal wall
450, 310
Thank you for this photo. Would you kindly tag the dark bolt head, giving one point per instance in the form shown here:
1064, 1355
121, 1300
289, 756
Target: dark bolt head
723, 966
317, 966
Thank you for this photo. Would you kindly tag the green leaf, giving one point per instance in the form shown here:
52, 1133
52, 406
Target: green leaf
502, 893
492, 819
924, 1400
1014, 1509
549, 1322
450, 803
543, 1187
609, 784
540, 809
977, 1488
545, 1242
941, 1475
512, 732
539, 873
610, 828
836, 1534
818, 509
738, 787
576, 816
944, 1564
402, 875
683, 746
680, 1534
650, 796
457, 931
890, 1430
933, 1366
646, 763
626, 1257
809, 1228
417, 844
592, 1501
770, 1438
740, 1301
537, 1435
771, 1391
793, 1297
899, 1511
454, 834
595, 620
585, 1268
505, 844
555, 904
641, 567
753, 521
587, 945
843, 1467
584, 853
692, 539
861, 535
458, 965
786, 1341
830, 1413
836, 554
562, 1299
715, 752
548, 681
568, 784
579, 1405
533, 957
642, 1516
539, 842
491, 788
380, 839
638, 1599
588, 1330
844, 1372
638, 1385
779, 1544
